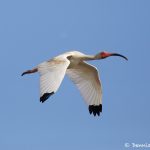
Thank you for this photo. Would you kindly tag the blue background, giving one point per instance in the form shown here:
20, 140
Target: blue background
33, 31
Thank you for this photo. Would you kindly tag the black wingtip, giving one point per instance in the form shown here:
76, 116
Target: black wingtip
45, 96
95, 109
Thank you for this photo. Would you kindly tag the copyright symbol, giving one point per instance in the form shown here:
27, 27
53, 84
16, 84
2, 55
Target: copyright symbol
127, 145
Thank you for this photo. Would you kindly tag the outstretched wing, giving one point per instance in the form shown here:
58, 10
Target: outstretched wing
51, 75
86, 78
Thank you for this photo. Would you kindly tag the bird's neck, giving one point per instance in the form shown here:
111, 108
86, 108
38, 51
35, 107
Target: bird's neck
90, 57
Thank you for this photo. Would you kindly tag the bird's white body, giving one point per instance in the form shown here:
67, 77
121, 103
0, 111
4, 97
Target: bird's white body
71, 63
83, 75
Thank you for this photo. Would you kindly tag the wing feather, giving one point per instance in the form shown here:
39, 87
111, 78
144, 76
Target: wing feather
86, 78
51, 75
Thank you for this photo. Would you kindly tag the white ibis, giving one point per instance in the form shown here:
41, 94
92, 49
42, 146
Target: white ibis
83, 75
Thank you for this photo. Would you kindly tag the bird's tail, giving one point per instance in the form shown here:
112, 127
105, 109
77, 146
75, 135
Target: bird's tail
30, 71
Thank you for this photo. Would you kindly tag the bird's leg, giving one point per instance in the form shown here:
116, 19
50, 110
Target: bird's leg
30, 71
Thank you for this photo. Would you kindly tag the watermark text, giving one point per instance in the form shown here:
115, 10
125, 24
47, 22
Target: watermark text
137, 145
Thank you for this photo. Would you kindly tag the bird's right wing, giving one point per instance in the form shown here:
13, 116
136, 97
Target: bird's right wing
85, 77
51, 75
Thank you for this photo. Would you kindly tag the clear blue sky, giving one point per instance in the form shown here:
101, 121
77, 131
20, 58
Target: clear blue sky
32, 31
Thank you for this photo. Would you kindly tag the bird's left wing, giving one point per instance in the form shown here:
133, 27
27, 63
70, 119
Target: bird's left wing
51, 75
85, 77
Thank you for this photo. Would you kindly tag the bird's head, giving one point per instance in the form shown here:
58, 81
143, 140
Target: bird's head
104, 54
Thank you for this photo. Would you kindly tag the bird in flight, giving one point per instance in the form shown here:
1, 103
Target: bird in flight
83, 75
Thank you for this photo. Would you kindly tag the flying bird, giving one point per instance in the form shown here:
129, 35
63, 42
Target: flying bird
83, 75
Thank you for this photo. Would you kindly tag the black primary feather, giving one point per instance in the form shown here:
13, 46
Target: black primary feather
95, 109
45, 96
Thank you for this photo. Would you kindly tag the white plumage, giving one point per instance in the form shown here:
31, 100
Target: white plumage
51, 75
83, 75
